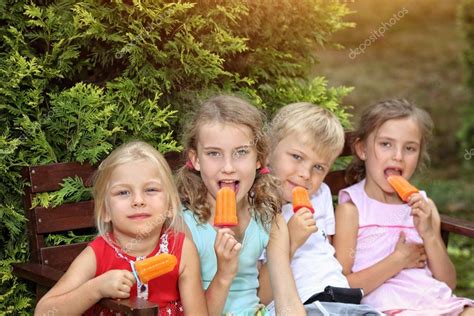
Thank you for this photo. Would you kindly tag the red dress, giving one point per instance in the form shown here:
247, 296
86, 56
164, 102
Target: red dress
162, 290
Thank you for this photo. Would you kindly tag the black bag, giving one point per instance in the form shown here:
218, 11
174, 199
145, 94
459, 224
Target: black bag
337, 294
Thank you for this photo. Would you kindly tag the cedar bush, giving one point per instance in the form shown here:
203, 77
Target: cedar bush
78, 78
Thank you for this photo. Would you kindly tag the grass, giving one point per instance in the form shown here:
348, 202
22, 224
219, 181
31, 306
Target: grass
418, 58
461, 251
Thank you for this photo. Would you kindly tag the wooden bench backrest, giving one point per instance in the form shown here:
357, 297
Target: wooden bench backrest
74, 216
336, 179
67, 217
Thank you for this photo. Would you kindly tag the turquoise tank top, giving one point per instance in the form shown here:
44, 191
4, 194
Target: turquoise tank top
242, 296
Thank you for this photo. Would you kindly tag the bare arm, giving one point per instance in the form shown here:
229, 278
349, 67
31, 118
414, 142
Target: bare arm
264, 290
405, 255
190, 285
227, 251
79, 289
425, 212
300, 226
282, 282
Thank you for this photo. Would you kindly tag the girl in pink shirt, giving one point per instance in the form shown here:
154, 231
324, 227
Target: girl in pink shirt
392, 249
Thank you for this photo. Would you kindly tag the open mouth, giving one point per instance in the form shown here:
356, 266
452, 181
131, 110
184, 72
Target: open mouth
233, 184
392, 172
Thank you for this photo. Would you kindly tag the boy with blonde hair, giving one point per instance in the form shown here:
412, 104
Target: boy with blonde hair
305, 141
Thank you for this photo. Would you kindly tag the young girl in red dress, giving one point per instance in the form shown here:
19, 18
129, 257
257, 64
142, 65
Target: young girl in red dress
138, 216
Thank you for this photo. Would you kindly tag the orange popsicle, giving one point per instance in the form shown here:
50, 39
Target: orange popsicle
402, 187
226, 208
301, 199
155, 266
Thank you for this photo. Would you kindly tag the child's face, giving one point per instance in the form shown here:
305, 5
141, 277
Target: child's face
226, 156
136, 200
296, 164
393, 149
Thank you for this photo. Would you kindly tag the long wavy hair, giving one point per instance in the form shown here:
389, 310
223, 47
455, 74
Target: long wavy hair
264, 195
374, 117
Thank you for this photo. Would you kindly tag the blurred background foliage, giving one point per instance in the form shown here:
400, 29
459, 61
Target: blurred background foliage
78, 78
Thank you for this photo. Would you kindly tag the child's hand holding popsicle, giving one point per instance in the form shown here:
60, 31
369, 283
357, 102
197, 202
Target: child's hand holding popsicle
426, 224
227, 248
114, 283
302, 224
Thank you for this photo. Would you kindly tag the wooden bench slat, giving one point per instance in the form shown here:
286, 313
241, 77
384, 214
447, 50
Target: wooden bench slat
174, 159
133, 306
336, 181
457, 226
65, 217
347, 151
38, 273
60, 257
47, 178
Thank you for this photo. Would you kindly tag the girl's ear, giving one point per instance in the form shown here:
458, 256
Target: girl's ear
192, 156
360, 149
259, 165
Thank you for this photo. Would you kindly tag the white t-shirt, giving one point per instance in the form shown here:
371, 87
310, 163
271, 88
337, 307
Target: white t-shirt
314, 265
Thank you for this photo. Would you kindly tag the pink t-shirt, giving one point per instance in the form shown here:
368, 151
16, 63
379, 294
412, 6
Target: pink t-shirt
414, 290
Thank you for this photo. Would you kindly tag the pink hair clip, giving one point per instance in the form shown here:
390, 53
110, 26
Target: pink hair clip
189, 165
264, 170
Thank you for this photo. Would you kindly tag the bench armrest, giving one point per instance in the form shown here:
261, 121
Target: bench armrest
46, 277
37, 273
457, 226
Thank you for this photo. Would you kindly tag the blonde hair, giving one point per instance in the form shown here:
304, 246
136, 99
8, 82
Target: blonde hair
127, 153
315, 126
264, 195
374, 117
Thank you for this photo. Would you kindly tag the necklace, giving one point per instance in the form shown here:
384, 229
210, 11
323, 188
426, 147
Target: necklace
142, 288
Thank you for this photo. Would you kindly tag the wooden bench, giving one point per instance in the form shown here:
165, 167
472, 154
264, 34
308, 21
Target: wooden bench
47, 264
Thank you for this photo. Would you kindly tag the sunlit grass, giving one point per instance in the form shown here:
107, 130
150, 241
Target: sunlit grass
461, 252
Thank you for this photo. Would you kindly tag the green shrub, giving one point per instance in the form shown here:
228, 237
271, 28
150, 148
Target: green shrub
78, 78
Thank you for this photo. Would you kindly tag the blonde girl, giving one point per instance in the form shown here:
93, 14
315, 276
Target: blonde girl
137, 212
225, 147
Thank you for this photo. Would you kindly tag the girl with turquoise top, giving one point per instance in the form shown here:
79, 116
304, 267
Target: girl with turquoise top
225, 147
